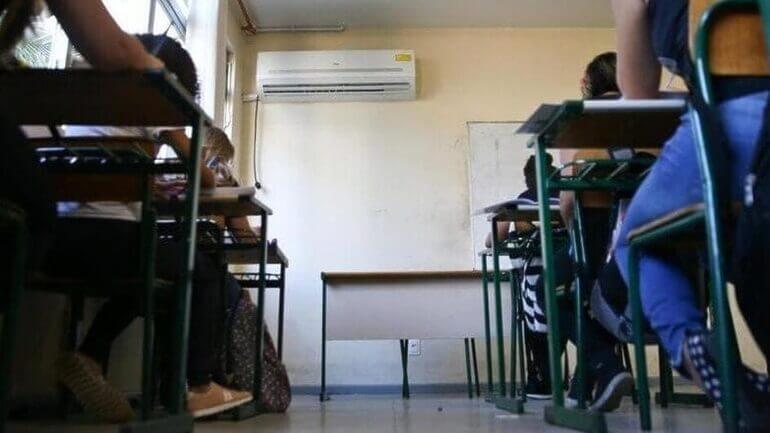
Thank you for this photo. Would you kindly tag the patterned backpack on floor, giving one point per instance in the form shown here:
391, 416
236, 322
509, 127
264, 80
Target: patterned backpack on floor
238, 358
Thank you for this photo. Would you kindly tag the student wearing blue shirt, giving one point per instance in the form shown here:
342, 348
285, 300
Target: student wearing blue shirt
652, 33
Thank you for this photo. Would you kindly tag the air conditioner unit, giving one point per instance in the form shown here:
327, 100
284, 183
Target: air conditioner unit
359, 75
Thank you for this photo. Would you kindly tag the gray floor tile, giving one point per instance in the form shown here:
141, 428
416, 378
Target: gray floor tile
421, 414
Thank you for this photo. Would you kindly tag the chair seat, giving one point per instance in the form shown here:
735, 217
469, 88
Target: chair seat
681, 218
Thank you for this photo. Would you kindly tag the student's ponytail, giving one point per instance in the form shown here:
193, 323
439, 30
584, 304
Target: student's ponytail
15, 17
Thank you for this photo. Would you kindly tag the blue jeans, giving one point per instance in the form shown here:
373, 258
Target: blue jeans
668, 298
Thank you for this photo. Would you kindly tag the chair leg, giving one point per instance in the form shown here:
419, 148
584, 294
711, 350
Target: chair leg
726, 346
666, 378
637, 320
11, 313
149, 235
627, 361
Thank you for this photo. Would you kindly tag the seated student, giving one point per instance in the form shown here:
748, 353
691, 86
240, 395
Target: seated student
607, 380
82, 250
652, 33
96, 35
538, 385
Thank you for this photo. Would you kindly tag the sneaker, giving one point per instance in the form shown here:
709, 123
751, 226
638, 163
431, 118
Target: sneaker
753, 402
571, 399
215, 399
83, 377
612, 384
538, 387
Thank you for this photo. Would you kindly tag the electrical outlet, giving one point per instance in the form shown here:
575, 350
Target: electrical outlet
414, 348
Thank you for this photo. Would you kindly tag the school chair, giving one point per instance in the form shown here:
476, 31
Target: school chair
90, 169
728, 42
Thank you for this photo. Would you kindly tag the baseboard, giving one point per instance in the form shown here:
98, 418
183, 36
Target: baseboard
423, 388
428, 388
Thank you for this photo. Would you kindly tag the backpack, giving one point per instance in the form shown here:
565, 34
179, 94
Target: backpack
237, 357
751, 255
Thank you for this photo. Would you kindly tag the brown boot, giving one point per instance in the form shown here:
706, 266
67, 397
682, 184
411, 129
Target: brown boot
83, 377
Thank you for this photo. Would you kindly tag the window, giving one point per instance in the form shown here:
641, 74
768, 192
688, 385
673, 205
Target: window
229, 105
46, 45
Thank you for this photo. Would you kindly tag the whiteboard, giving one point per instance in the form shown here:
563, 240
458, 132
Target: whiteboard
422, 308
496, 173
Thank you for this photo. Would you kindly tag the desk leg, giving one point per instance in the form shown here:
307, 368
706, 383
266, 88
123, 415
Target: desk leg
468, 367
487, 333
404, 367
520, 337
281, 308
556, 414
475, 368
260, 337
323, 397
181, 326
581, 260
514, 346
498, 308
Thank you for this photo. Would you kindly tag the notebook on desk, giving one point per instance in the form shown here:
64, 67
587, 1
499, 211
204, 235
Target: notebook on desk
519, 203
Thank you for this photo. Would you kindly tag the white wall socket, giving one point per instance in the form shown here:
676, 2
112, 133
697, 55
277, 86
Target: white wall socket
415, 348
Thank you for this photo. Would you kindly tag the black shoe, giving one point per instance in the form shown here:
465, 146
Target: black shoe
571, 400
538, 387
613, 383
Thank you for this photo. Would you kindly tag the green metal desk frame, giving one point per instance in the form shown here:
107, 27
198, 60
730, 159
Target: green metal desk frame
56, 97
596, 125
243, 206
512, 400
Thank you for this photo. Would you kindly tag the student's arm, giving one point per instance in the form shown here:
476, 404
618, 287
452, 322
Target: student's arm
502, 233
638, 70
95, 34
181, 143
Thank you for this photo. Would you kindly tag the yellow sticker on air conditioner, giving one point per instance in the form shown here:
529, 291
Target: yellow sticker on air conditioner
404, 57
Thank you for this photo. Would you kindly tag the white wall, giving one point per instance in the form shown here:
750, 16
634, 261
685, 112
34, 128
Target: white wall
383, 186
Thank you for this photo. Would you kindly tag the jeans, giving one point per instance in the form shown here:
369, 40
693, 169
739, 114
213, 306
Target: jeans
668, 298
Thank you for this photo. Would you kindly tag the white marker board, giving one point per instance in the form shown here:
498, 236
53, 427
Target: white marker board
496, 173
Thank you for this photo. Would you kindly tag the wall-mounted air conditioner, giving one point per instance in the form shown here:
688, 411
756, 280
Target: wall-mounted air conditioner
357, 75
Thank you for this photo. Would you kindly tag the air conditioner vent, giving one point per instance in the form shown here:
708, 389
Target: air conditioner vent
308, 76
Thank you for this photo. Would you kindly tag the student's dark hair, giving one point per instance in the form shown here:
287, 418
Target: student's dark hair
601, 76
175, 57
530, 171
16, 17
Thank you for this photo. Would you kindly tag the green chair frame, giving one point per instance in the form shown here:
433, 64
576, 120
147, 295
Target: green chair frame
12, 221
708, 217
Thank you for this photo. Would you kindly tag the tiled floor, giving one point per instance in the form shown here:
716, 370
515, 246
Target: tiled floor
421, 414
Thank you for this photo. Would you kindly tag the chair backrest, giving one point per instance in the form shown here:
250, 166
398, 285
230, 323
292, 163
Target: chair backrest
736, 43
90, 187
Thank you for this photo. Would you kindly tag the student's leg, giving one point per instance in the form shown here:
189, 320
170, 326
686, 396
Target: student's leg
206, 309
667, 295
23, 183
99, 251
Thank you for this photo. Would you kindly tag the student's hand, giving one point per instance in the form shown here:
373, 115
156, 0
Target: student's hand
152, 62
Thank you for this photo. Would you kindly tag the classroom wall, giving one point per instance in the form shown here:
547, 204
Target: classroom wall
384, 186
